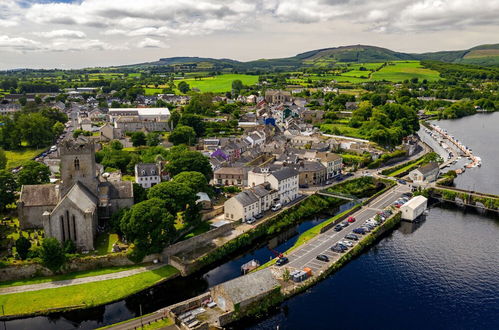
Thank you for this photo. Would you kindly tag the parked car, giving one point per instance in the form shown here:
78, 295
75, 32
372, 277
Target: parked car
344, 224
282, 261
346, 243
401, 181
259, 216
339, 248
250, 220
276, 207
338, 228
322, 257
351, 219
352, 237
359, 230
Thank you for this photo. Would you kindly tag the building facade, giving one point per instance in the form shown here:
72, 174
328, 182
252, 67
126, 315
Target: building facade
147, 174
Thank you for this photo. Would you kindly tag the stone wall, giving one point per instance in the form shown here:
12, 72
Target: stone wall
212, 213
196, 241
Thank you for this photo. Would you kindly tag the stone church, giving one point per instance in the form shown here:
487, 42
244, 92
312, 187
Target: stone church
73, 208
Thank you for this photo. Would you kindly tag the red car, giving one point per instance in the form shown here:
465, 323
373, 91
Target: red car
351, 219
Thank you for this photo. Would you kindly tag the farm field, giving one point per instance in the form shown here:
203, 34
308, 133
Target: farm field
19, 157
342, 129
219, 84
399, 71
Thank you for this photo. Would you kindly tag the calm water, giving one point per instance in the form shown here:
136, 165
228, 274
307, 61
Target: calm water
480, 133
170, 292
441, 274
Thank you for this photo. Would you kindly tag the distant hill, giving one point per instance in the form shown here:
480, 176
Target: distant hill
480, 55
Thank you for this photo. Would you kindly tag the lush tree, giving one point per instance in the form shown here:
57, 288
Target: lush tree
78, 132
138, 139
201, 104
35, 129
10, 135
58, 128
174, 119
182, 160
194, 121
33, 173
175, 195
194, 180
22, 247
52, 254
8, 187
139, 193
237, 85
113, 158
116, 145
183, 87
3, 159
182, 135
153, 139
149, 225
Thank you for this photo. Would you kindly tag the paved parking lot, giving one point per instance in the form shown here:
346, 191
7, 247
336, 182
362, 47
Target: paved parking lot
305, 256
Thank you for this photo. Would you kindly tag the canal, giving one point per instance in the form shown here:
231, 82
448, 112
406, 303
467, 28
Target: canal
172, 291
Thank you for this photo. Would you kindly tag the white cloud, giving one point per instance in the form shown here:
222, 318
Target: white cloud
151, 43
18, 44
72, 34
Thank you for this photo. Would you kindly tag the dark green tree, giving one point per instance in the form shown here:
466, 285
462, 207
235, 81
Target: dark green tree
183, 87
194, 121
176, 196
8, 188
52, 254
22, 247
153, 139
3, 159
174, 119
33, 173
182, 135
138, 139
182, 160
194, 180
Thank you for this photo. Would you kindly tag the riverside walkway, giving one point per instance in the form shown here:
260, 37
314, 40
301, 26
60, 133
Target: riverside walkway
76, 281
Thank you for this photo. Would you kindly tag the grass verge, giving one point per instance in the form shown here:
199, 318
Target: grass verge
82, 295
19, 157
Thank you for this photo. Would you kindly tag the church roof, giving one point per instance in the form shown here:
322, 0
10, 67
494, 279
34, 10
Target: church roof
40, 195
116, 189
83, 198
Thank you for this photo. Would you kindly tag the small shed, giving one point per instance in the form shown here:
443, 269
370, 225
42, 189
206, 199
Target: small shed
414, 208
204, 200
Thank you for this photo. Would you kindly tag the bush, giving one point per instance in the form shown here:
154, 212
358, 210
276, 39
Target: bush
136, 254
69, 247
52, 254
22, 247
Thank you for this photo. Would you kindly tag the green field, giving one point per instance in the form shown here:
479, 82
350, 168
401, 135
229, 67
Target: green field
400, 71
219, 84
342, 129
82, 295
19, 157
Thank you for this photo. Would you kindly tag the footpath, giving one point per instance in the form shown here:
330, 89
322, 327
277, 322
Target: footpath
76, 281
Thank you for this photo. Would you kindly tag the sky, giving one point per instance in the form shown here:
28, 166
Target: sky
87, 33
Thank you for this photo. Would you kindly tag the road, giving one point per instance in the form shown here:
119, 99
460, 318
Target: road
305, 256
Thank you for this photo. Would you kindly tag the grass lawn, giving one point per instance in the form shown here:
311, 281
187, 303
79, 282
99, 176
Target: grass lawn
17, 158
158, 324
399, 71
104, 243
69, 276
203, 227
341, 129
152, 91
82, 295
219, 84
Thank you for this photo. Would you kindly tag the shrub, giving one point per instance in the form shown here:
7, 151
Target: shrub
22, 247
52, 254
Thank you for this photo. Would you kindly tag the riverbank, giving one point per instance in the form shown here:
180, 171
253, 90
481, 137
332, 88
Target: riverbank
81, 296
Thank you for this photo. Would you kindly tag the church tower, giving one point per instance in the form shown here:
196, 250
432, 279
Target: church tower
78, 164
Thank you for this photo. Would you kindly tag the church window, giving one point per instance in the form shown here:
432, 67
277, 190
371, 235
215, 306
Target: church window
77, 164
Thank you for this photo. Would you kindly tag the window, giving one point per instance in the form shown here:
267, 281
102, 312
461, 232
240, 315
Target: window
77, 164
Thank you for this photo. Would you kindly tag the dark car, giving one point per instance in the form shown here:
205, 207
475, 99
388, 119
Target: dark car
282, 261
322, 257
344, 224
401, 181
348, 175
352, 237
361, 231
258, 216
340, 248
338, 228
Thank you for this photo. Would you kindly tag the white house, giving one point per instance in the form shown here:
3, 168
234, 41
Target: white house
285, 181
147, 174
427, 173
251, 202
332, 162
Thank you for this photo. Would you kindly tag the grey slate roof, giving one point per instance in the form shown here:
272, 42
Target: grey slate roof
245, 287
147, 169
428, 168
285, 173
82, 197
246, 198
40, 195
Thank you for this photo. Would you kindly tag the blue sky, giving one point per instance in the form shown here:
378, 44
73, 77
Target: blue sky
74, 34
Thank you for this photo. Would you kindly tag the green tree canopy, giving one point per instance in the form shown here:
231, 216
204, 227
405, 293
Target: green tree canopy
149, 225
194, 180
138, 139
3, 159
182, 160
201, 104
183, 87
175, 195
8, 188
182, 135
194, 121
153, 139
33, 173
52, 254
22, 247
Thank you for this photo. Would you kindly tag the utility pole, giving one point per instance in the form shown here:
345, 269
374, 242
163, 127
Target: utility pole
141, 323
